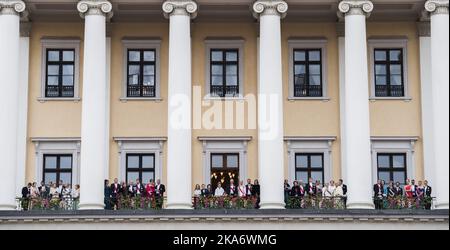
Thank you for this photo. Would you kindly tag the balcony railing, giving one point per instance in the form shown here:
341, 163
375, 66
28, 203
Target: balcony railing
224, 91
225, 202
140, 91
389, 91
315, 203
50, 204
305, 90
59, 91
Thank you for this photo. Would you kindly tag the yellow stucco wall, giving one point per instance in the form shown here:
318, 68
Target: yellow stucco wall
149, 118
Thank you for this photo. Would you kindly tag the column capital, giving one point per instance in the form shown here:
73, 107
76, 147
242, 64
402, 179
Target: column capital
180, 7
356, 7
437, 6
270, 7
12, 7
95, 7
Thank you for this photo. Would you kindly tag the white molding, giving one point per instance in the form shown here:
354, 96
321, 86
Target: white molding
141, 43
213, 145
319, 144
108, 106
140, 145
44, 146
225, 43
385, 144
308, 43
399, 42
60, 43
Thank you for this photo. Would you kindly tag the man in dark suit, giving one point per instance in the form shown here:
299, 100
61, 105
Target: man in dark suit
205, 191
428, 198
116, 189
26, 193
311, 188
248, 188
138, 189
160, 189
344, 189
378, 195
398, 189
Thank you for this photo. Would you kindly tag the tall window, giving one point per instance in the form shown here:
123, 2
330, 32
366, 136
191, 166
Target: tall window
392, 167
141, 73
224, 167
309, 165
60, 68
140, 166
224, 72
58, 168
389, 80
308, 73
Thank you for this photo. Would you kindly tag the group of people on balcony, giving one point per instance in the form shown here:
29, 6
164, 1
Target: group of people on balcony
248, 190
420, 192
58, 194
118, 191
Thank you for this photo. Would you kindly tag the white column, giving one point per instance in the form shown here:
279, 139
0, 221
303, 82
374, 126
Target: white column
179, 144
356, 106
270, 107
9, 99
93, 120
440, 96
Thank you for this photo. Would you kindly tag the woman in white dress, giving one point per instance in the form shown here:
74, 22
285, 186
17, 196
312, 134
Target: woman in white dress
241, 190
197, 191
219, 192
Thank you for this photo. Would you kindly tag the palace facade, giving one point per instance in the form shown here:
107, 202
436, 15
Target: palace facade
201, 92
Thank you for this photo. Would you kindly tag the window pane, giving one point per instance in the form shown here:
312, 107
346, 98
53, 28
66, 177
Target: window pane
396, 80
398, 161
53, 56
68, 56
400, 177
65, 162
383, 161
133, 162
314, 80
300, 69
384, 176
149, 81
380, 80
132, 176
68, 80
380, 55
314, 56
317, 176
217, 161
301, 176
53, 70
302, 161
231, 80
380, 69
314, 69
217, 69
316, 161
149, 56
231, 70
396, 69
149, 70
133, 80
216, 56
217, 80
232, 56
395, 55
50, 162
147, 161
66, 178
133, 69
232, 161
52, 80
50, 177
147, 176
68, 70
299, 56
134, 56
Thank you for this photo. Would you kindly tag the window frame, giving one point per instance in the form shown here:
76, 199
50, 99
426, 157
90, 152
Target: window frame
306, 63
391, 168
388, 43
59, 44
60, 63
58, 169
309, 168
141, 63
230, 44
224, 63
141, 43
388, 63
308, 44
140, 169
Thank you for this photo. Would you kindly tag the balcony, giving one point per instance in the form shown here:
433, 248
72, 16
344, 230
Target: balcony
140, 91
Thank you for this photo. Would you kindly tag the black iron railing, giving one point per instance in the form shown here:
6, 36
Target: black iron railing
305, 90
224, 91
389, 91
140, 91
59, 91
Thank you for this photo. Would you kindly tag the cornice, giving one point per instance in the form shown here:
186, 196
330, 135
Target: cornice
95, 7
356, 7
180, 7
12, 7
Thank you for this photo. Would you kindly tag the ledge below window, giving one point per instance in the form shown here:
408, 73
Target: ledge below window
230, 98
142, 99
324, 99
405, 98
58, 99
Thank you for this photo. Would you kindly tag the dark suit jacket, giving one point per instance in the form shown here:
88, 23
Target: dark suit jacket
428, 191
344, 188
115, 190
313, 187
297, 191
256, 191
398, 191
248, 189
377, 190
25, 192
162, 189
234, 189
205, 192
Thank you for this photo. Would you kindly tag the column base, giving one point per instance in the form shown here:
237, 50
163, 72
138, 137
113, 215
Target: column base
272, 205
184, 206
7, 207
91, 206
360, 205
441, 206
